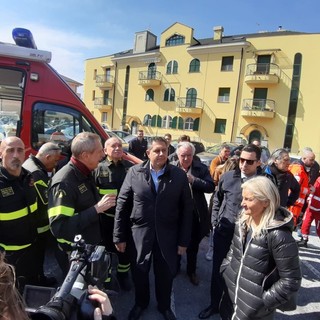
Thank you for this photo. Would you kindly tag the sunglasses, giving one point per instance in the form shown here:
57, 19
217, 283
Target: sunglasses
249, 162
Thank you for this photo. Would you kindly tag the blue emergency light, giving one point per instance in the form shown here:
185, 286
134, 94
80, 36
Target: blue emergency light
23, 38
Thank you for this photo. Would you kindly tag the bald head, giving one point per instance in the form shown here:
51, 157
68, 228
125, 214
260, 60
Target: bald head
308, 157
12, 153
113, 149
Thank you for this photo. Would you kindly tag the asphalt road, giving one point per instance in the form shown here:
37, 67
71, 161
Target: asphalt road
189, 300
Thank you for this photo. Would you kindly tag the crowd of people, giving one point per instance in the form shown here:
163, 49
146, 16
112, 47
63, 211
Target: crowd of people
152, 213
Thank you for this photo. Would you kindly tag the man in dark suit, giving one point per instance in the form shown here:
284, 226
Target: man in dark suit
138, 146
155, 201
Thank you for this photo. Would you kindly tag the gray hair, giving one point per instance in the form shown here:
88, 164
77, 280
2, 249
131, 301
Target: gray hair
84, 142
185, 144
48, 148
277, 155
262, 189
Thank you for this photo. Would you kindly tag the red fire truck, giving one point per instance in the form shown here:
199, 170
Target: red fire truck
36, 104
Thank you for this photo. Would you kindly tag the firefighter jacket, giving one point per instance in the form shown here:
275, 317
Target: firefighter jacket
72, 197
301, 175
18, 210
41, 182
109, 177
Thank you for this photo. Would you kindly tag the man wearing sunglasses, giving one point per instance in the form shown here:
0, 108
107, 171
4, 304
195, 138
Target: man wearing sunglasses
225, 210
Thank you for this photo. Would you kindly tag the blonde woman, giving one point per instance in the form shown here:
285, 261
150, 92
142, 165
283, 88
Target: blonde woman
262, 239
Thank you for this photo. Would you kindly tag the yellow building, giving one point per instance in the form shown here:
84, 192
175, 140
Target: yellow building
223, 88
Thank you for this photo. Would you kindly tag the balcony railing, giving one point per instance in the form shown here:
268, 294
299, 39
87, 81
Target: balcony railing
104, 80
189, 105
264, 108
103, 103
267, 73
150, 78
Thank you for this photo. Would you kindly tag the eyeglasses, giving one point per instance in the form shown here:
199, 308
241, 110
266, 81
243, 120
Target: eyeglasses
249, 162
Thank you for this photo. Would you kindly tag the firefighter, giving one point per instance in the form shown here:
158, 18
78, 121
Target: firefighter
109, 177
41, 166
74, 204
18, 211
301, 169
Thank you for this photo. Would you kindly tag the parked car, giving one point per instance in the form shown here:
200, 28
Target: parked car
198, 145
122, 134
211, 152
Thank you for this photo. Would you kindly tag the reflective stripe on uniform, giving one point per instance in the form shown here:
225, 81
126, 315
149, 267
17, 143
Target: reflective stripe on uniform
55, 211
108, 191
123, 268
64, 241
14, 247
18, 214
43, 229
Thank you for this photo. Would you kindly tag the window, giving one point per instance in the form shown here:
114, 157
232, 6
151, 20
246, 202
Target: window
172, 67
49, 118
166, 122
149, 95
175, 40
188, 124
177, 123
156, 121
169, 95
224, 95
152, 71
104, 117
11, 96
93, 95
191, 100
220, 126
94, 74
227, 64
196, 123
194, 65
147, 120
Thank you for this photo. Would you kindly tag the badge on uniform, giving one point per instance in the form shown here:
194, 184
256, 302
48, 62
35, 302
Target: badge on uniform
6, 192
82, 188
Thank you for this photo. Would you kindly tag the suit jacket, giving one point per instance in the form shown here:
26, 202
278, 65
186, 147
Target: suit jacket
164, 216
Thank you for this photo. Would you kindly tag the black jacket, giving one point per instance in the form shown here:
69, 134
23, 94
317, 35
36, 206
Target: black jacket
285, 182
202, 184
165, 215
72, 197
41, 182
18, 210
138, 148
245, 268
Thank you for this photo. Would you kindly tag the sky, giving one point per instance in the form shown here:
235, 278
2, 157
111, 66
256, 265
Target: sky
76, 30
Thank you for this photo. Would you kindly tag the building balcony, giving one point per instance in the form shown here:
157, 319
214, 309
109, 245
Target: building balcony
258, 108
189, 106
262, 74
105, 81
103, 104
149, 78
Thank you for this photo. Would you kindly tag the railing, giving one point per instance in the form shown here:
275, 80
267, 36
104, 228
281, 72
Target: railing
259, 104
100, 102
186, 102
103, 78
262, 68
150, 75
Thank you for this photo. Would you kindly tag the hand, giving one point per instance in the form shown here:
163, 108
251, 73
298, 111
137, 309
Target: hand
106, 202
312, 189
102, 298
182, 250
121, 246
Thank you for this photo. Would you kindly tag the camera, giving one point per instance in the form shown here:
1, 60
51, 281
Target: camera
89, 264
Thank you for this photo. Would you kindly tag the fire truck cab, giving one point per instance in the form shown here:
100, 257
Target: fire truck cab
36, 104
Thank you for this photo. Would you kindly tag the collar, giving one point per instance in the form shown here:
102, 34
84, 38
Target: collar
80, 166
161, 171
